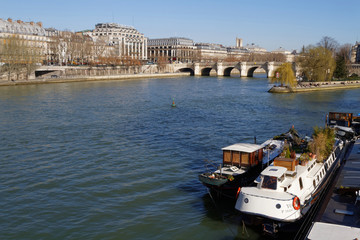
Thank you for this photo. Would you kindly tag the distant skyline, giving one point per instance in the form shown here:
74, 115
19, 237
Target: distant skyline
270, 24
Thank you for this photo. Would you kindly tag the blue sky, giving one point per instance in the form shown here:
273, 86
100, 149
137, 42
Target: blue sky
269, 23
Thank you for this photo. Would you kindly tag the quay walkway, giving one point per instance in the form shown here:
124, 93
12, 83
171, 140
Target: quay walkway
93, 78
316, 86
339, 217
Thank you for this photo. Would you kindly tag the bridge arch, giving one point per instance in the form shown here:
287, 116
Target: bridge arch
206, 71
228, 70
190, 70
250, 72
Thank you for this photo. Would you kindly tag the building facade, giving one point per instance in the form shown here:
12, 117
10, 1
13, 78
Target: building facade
28, 34
174, 49
209, 52
355, 53
126, 40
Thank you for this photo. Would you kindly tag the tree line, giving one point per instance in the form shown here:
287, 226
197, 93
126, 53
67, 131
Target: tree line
19, 56
68, 48
321, 62
325, 61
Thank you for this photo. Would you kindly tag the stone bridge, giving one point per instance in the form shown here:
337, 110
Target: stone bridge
246, 69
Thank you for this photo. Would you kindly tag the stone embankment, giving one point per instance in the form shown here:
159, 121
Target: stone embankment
92, 78
316, 86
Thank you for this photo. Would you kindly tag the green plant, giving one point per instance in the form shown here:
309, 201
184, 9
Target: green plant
284, 75
323, 142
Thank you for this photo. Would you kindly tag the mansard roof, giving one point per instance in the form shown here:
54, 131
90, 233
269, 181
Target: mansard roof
20, 27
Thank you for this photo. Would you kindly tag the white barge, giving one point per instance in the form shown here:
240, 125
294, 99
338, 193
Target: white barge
287, 189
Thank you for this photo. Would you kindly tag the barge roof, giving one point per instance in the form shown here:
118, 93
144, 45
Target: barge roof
243, 147
350, 175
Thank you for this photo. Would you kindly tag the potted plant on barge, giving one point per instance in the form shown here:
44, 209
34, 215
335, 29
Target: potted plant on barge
323, 142
304, 158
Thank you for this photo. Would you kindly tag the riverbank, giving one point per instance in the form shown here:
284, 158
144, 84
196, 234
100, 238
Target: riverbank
93, 78
316, 86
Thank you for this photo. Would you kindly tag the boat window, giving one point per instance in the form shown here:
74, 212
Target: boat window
318, 177
269, 182
314, 183
300, 183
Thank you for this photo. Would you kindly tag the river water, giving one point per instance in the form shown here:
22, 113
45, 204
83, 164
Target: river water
113, 160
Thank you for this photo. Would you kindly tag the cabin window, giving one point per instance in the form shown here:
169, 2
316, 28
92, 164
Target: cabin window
300, 183
314, 183
318, 177
227, 158
245, 159
269, 182
236, 158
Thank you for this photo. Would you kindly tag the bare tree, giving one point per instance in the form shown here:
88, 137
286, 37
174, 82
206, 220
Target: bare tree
264, 57
64, 46
32, 55
54, 49
86, 49
100, 47
161, 62
19, 55
329, 43
344, 52
10, 54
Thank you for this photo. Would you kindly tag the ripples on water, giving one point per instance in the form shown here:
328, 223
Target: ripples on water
113, 160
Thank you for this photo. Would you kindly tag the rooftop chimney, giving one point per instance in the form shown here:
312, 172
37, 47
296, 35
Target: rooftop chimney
9, 20
39, 24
